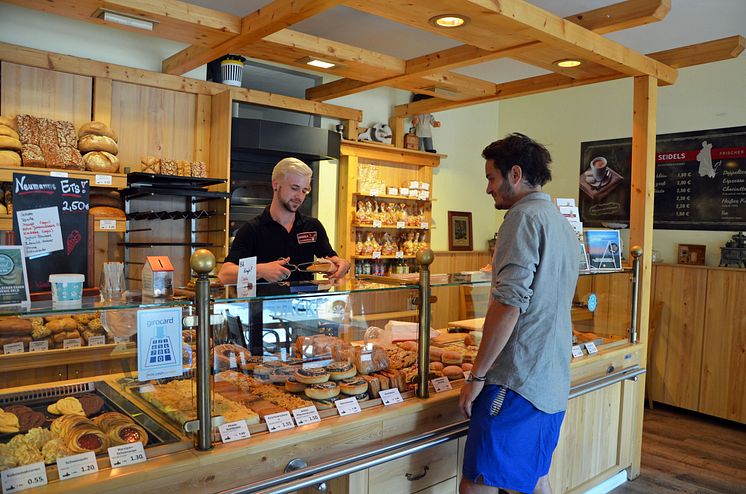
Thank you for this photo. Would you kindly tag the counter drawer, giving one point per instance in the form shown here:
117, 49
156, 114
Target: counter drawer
416, 472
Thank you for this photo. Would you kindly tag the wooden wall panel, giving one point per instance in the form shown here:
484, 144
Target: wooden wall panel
45, 93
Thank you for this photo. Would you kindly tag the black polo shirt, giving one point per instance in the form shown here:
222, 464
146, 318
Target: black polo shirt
268, 240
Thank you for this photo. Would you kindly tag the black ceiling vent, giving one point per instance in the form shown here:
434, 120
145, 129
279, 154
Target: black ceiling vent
283, 140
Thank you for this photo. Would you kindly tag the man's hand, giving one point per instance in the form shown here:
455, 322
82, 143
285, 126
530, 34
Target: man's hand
273, 271
469, 393
343, 265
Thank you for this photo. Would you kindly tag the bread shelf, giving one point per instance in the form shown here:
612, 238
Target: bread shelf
118, 225
109, 180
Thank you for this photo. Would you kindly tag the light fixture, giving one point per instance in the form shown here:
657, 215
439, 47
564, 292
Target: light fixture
567, 63
125, 20
320, 63
449, 20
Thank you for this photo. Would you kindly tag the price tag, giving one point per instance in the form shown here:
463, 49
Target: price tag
424, 186
25, 477
376, 255
279, 421
441, 384
71, 343
148, 388
376, 223
390, 396
399, 254
401, 224
424, 195
127, 454
374, 192
590, 347
58, 174
120, 339
404, 191
414, 184
306, 415
38, 346
107, 225
76, 465
232, 361
393, 191
103, 180
577, 352
424, 225
12, 348
234, 431
348, 406
97, 340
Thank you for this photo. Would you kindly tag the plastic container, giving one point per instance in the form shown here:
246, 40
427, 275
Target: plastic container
67, 289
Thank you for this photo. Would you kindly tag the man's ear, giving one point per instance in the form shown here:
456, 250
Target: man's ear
516, 174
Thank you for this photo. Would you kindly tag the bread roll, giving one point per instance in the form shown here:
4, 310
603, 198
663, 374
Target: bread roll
91, 142
96, 129
107, 212
101, 162
453, 372
6, 130
12, 325
9, 158
7, 142
151, 164
104, 197
322, 266
9, 121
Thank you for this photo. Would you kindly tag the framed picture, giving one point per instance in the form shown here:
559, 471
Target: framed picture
691, 254
459, 230
604, 249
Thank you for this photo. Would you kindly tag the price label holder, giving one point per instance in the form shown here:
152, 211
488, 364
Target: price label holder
103, 180
399, 254
127, 454
76, 465
97, 340
401, 224
24, 477
71, 343
234, 431
232, 361
390, 396
424, 225
107, 225
441, 384
376, 255
377, 224
590, 347
577, 352
374, 192
348, 406
38, 346
120, 339
58, 174
12, 348
279, 421
306, 415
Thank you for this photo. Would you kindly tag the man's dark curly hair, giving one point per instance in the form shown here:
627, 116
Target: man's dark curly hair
518, 149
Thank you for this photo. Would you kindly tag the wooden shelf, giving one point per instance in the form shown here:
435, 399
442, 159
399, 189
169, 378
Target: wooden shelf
382, 257
118, 180
387, 196
384, 152
391, 227
6, 224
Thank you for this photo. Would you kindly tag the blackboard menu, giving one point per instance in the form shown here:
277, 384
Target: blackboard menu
700, 181
49, 219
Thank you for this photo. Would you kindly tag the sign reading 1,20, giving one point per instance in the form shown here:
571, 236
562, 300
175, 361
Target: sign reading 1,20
74, 206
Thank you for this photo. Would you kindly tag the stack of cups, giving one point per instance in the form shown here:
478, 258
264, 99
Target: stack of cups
112, 281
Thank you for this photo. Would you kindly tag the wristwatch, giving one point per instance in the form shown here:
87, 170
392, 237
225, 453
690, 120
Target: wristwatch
473, 378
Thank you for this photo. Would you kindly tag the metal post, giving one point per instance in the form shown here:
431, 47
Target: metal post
202, 262
636, 252
425, 257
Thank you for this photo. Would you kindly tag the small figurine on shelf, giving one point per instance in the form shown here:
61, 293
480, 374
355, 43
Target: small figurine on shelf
368, 246
360, 214
419, 242
359, 246
390, 217
408, 246
368, 210
389, 247
402, 213
423, 124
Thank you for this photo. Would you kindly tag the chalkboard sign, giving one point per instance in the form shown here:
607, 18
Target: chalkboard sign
700, 181
49, 219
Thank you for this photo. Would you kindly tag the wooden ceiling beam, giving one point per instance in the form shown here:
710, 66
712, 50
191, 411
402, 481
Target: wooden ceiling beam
709, 51
622, 15
269, 19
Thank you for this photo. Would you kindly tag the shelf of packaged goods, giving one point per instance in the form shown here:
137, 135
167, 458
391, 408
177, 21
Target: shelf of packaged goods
382, 257
110, 180
390, 227
109, 225
396, 198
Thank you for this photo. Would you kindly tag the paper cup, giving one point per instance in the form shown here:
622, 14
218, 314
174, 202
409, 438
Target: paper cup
67, 289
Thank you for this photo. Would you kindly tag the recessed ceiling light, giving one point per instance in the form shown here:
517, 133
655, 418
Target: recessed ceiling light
567, 63
449, 20
320, 63
126, 20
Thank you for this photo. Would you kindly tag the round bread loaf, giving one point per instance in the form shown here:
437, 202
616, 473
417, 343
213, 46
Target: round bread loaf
436, 353
107, 212
96, 129
322, 391
9, 158
452, 357
453, 372
91, 142
9, 121
7, 142
101, 162
436, 366
104, 197
6, 130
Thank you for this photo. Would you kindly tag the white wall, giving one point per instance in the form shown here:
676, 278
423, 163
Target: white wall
704, 97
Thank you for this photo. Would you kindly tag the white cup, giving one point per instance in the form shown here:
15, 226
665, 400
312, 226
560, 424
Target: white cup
598, 167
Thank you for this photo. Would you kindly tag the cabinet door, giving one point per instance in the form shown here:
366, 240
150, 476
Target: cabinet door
676, 335
723, 387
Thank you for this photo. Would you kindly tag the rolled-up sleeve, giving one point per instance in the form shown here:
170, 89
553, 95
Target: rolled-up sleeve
515, 262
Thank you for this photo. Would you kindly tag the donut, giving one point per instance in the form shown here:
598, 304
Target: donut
450, 357
341, 369
311, 375
322, 391
293, 386
436, 354
353, 386
453, 372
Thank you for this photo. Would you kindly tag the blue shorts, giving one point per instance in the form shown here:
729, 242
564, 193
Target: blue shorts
510, 442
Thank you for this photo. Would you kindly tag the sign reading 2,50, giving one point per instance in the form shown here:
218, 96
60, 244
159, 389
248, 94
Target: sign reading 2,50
74, 206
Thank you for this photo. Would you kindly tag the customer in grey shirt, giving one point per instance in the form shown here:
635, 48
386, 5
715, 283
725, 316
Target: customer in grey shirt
517, 393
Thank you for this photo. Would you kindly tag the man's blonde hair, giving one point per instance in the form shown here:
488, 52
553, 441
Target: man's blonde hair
290, 165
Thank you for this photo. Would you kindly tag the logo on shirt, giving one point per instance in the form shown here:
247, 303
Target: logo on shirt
307, 237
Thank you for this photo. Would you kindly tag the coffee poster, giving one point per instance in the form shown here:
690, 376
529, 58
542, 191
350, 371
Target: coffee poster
700, 181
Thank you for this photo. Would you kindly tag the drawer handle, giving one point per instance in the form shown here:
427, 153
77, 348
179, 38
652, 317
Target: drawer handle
415, 477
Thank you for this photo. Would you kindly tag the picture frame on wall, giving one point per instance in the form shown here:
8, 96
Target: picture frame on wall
460, 234
691, 254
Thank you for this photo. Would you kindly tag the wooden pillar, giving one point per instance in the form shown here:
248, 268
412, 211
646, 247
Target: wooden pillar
641, 221
397, 130
350, 130
220, 119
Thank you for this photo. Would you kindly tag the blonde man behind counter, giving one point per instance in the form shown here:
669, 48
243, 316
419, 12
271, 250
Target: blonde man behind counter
281, 238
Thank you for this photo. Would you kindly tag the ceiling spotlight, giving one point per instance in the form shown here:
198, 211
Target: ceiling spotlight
320, 63
126, 20
449, 20
567, 63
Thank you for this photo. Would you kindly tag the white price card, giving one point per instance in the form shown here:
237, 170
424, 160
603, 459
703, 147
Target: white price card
76, 465
234, 431
590, 347
25, 477
58, 174
38, 346
376, 254
413, 192
71, 343
103, 180
424, 195
390, 396
441, 384
127, 454
107, 225
120, 339
399, 254
12, 348
374, 192
97, 340
279, 421
306, 415
401, 224
392, 191
377, 224
424, 225
577, 352
232, 361
347, 406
